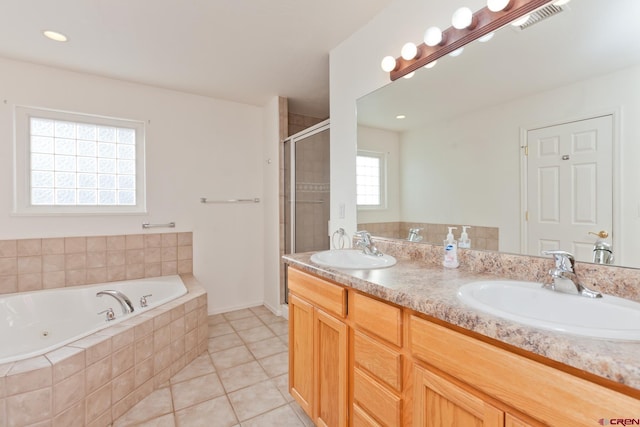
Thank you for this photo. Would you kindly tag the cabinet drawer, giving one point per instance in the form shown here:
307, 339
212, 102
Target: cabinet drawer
376, 317
332, 298
378, 359
375, 399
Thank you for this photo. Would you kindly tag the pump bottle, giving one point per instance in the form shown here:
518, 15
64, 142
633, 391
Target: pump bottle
465, 241
450, 250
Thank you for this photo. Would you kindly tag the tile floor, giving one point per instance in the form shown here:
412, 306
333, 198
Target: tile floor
241, 381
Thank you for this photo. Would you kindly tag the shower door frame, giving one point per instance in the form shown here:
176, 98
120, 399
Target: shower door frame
293, 139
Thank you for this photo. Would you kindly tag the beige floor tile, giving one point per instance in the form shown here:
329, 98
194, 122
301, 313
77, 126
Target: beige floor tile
224, 342
255, 400
268, 347
164, 421
301, 414
260, 309
212, 413
279, 328
282, 382
283, 416
220, 329
284, 338
275, 365
155, 405
256, 334
190, 392
242, 376
238, 314
269, 318
202, 365
214, 319
246, 323
232, 357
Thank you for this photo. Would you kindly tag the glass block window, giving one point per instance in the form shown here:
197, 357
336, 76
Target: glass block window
370, 179
78, 161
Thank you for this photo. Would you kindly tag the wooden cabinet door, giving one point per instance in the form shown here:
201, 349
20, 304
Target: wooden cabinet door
439, 403
330, 371
301, 322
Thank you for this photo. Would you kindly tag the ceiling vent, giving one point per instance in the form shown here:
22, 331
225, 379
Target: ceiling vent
540, 15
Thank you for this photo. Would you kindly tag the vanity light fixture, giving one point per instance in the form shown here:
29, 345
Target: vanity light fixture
466, 28
409, 51
55, 36
388, 64
433, 37
486, 38
431, 64
408, 76
463, 19
457, 52
499, 5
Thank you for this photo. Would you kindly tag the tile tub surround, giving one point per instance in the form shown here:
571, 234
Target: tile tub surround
34, 264
419, 282
95, 380
482, 238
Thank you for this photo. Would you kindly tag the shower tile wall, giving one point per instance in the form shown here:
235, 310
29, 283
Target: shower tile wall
312, 188
34, 264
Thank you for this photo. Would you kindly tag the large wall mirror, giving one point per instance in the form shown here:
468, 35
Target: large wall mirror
567, 88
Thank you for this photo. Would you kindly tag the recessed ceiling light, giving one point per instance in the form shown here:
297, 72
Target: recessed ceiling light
53, 35
401, 116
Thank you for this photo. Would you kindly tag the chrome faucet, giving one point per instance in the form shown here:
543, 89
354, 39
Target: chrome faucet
564, 278
364, 242
125, 303
414, 235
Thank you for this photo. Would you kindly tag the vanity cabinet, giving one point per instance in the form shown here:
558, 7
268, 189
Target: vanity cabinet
318, 339
384, 365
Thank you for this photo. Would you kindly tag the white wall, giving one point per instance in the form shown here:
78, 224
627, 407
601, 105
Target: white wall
387, 142
196, 147
271, 198
355, 71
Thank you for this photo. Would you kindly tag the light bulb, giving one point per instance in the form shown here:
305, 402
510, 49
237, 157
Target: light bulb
457, 52
53, 35
401, 116
498, 5
486, 37
409, 51
388, 64
520, 21
561, 2
408, 76
431, 64
462, 18
433, 36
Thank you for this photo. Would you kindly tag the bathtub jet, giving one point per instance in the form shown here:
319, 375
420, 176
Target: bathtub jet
124, 301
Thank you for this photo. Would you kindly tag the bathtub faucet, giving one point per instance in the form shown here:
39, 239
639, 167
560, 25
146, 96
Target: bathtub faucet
125, 303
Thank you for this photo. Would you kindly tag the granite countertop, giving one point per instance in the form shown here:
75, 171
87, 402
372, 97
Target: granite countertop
431, 290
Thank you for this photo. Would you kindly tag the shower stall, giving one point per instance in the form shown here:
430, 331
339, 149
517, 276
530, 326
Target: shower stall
307, 189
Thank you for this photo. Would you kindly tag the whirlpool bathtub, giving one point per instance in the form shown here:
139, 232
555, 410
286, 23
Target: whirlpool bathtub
35, 323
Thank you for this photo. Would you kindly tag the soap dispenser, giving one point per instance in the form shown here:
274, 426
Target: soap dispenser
465, 241
450, 250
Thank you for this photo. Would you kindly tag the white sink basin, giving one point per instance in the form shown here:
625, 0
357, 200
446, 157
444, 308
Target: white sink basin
608, 317
352, 259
